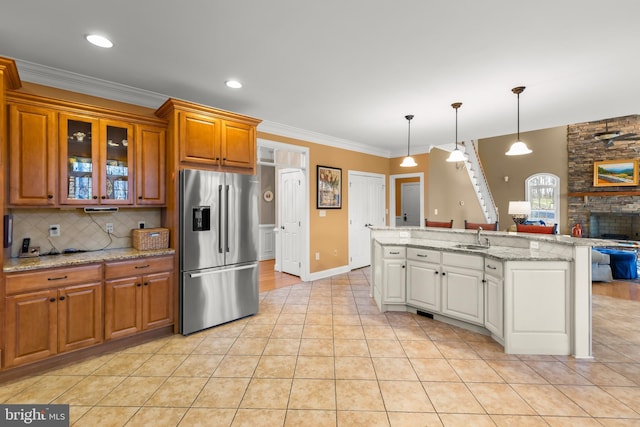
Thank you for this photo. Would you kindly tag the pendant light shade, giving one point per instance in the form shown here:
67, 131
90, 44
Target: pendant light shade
456, 155
518, 148
408, 161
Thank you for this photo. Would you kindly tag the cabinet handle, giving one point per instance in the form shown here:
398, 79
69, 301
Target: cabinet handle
49, 196
62, 298
423, 256
52, 300
142, 266
394, 253
57, 278
491, 267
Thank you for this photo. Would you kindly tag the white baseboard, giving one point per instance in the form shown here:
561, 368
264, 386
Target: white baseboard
328, 273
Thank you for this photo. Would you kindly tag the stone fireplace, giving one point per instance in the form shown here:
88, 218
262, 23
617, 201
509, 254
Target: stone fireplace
613, 211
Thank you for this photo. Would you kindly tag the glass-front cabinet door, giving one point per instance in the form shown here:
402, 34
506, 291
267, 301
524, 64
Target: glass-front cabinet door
79, 160
95, 161
116, 162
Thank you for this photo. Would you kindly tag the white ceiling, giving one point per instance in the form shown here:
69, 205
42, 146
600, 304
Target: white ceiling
352, 69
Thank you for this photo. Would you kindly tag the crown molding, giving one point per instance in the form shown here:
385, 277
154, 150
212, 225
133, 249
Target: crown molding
319, 138
61, 79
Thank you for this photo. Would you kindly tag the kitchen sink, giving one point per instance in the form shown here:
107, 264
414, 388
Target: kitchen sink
472, 246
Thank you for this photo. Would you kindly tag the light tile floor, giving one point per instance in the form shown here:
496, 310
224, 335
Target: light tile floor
320, 354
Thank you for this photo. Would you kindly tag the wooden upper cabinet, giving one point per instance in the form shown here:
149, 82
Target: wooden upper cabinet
150, 165
208, 138
199, 139
238, 147
33, 156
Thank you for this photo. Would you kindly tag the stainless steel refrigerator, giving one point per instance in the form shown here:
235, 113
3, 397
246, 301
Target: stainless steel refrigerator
218, 248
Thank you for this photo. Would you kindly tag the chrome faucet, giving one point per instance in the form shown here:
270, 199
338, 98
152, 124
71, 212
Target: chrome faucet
486, 239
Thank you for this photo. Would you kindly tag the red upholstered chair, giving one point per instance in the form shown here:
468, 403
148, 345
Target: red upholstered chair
490, 226
441, 224
540, 229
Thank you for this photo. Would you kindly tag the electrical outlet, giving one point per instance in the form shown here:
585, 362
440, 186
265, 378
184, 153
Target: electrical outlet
317, 256
108, 227
141, 224
54, 230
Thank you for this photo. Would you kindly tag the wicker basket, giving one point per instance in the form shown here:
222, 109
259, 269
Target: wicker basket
145, 239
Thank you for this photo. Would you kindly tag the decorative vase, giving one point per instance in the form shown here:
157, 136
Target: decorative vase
576, 231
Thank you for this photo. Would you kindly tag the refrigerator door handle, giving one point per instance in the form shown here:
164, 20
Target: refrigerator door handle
226, 218
219, 219
207, 273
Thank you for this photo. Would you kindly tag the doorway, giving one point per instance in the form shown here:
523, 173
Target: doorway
410, 203
395, 197
366, 209
291, 197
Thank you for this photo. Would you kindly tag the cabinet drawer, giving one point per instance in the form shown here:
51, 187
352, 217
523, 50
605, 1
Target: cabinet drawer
493, 268
54, 277
138, 267
425, 255
460, 260
393, 252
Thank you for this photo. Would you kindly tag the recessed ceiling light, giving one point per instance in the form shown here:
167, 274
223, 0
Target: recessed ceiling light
99, 41
233, 84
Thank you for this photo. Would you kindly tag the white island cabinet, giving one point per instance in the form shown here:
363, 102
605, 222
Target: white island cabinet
462, 287
537, 304
423, 279
523, 298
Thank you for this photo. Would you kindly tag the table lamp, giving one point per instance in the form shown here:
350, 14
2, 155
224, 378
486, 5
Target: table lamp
519, 210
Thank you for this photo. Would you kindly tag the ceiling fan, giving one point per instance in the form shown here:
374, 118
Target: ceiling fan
611, 136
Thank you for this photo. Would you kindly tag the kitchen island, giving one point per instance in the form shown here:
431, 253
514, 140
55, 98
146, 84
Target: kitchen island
529, 292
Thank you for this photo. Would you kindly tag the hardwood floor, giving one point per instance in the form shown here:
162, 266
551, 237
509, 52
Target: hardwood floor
621, 290
269, 279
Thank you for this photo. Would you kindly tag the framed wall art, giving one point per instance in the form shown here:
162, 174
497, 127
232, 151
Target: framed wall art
614, 173
329, 187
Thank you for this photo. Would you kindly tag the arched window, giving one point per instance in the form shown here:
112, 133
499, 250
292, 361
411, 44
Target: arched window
543, 192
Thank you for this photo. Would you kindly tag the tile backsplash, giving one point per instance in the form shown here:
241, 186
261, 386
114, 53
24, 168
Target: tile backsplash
78, 230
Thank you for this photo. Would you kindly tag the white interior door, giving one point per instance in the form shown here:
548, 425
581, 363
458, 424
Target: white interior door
366, 208
291, 214
410, 204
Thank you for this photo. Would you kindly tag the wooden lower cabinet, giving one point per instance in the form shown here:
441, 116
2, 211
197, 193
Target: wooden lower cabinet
136, 302
43, 323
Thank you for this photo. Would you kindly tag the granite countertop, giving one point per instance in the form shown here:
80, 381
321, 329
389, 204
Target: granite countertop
12, 265
501, 253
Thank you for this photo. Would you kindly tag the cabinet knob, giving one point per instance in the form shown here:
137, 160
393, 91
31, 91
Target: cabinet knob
443, 273
224, 158
139, 197
403, 266
52, 300
138, 284
49, 196
95, 197
436, 272
103, 197
62, 298
146, 283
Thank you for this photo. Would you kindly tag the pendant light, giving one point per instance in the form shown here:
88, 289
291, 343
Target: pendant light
518, 148
408, 161
456, 155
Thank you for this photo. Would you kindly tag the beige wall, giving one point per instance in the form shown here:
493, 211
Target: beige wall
329, 235
549, 156
450, 192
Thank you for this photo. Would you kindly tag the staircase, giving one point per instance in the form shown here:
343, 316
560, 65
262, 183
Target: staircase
479, 181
